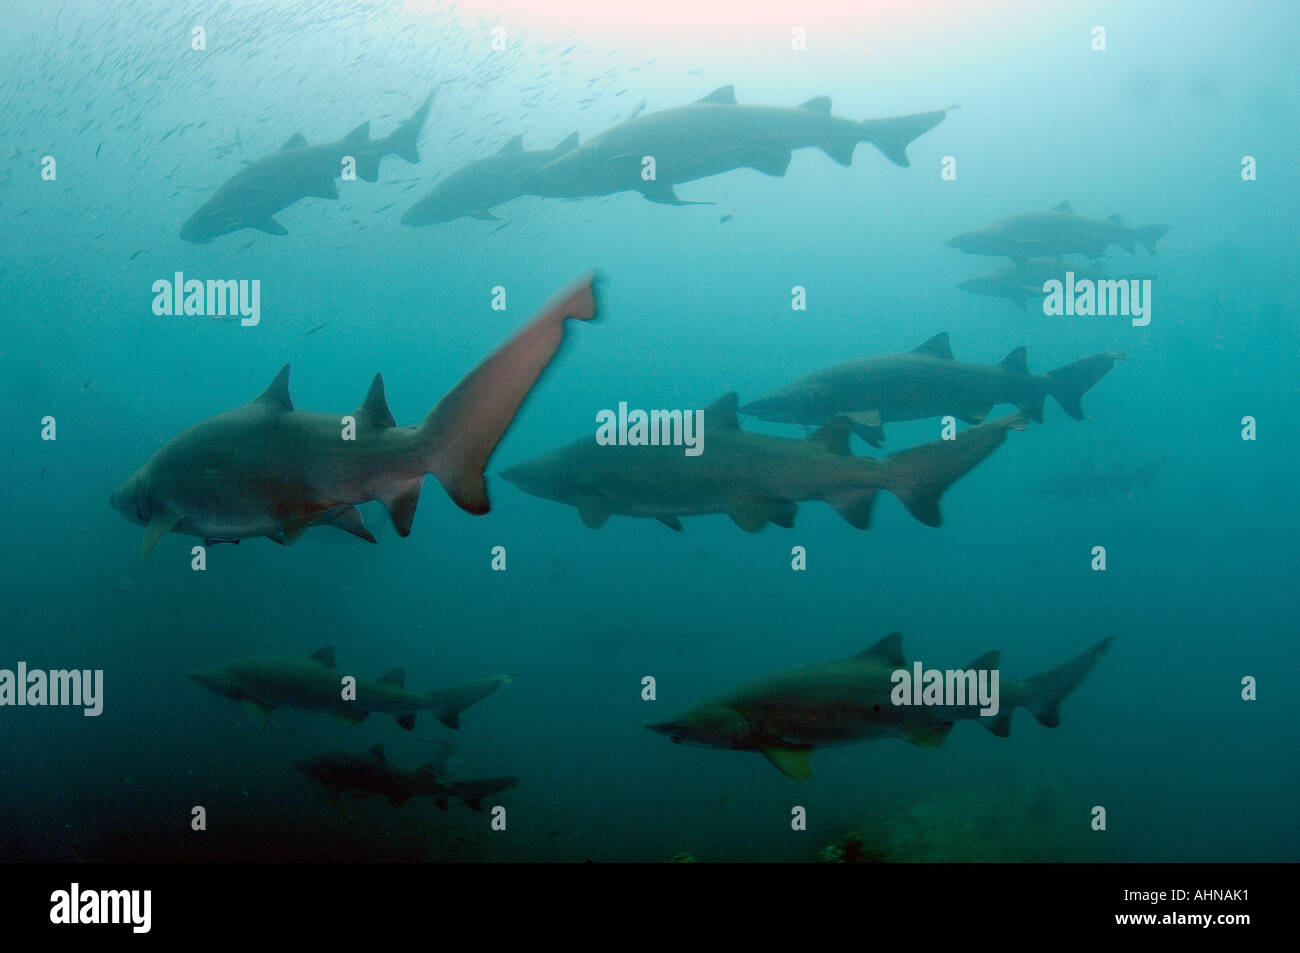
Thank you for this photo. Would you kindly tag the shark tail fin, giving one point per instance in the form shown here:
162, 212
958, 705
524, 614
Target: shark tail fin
918, 476
404, 141
447, 703
458, 436
891, 136
1069, 383
1043, 694
1148, 235
473, 792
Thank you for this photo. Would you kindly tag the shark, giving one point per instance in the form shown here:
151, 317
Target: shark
344, 772
252, 196
753, 478
1023, 282
786, 715
928, 382
475, 188
1090, 483
266, 683
1054, 233
715, 135
269, 469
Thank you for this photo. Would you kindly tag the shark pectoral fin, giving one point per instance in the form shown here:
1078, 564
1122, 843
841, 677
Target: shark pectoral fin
973, 415
160, 525
260, 709
351, 716
672, 522
441, 802
270, 226
593, 509
662, 193
406, 720
929, 736
483, 214
752, 515
325, 189
867, 425
792, 762
833, 436
294, 521
769, 161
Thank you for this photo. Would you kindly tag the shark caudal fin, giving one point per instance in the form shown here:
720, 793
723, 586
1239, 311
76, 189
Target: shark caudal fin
447, 703
1071, 382
1148, 235
891, 136
404, 141
473, 792
1043, 694
920, 475
459, 435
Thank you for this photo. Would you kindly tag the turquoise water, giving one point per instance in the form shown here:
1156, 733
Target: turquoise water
1198, 590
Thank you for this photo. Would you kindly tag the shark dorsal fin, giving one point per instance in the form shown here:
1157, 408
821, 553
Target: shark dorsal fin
374, 409
377, 752
1063, 207
325, 656
937, 347
276, 394
1114, 219
569, 144
722, 96
833, 435
988, 661
512, 147
722, 413
396, 677
359, 134
889, 650
821, 105
296, 142
1017, 361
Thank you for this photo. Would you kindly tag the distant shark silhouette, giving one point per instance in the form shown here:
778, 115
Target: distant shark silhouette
475, 188
343, 772
252, 196
267, 469
927, 382
716, 135
1054, 233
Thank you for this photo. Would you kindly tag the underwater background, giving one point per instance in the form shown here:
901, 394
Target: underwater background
1199, 591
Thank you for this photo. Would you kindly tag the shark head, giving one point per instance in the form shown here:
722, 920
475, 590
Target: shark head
709, 726
546, 476
220, 679
132, 499
789, 406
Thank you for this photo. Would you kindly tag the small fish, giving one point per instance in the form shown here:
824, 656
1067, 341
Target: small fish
97, 148
134, 256
727, 216
315, 329
244, 247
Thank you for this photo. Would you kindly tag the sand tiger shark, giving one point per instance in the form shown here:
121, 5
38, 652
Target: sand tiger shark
1023, 282
343, 772
927, 382
754, 478
475, 188
1089, 483
1054, 233
265, 683
714, 135
786, 715
267, 469
251, 197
